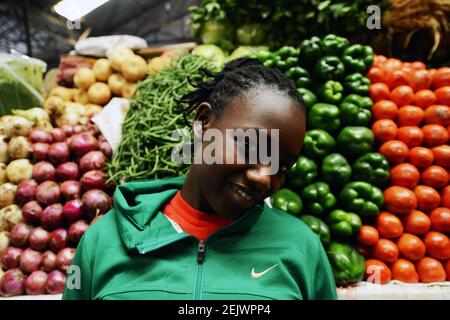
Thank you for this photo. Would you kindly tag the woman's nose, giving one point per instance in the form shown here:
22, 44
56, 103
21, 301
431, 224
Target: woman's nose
260, 178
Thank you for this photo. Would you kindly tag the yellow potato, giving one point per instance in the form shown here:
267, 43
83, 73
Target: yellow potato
84, 78
118, 56
115, 82
53, 104
128, 90
102, 69
80, 96
99, 93
92, 109
134, 68
64, 93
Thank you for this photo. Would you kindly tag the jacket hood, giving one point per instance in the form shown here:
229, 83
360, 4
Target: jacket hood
137, 204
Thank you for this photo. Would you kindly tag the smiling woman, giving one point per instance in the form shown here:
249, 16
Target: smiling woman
210, 235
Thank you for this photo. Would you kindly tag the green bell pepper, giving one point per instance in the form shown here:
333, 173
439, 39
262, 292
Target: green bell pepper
309, 98
353, 142
318, 143
358, 58
263, 55
287, 200
343, 224
300, 76
287, 51
372, 167
310, 51
362, 198
356, 111
282, 65
302, 173
318, 227
324, 116
357, 83
331, 92
329, 68
333, 45
347, 263
335, 169
318, 198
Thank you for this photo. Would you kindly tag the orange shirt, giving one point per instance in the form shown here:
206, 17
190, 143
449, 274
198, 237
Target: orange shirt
193, 221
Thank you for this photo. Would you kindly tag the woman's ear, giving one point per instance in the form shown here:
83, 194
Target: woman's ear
203, 118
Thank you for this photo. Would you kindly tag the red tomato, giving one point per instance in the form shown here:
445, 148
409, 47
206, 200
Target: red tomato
447, 269
427, 198
405, 271
368, 235
441, 78
442, 155
430, 270
438, 245
412, 136
411, 247
418, 65
421, 157
384, 130
410, 116
405, 175
419, 80
377, 272
396, 78
416, 223
440, 219
379, 91
437, 114
391, 64
384, 109
443, 95
385, 250
435, 176
376, 74
424, 98
400, 200
434, 135
388, 225
445, 197
402, 95
395, 151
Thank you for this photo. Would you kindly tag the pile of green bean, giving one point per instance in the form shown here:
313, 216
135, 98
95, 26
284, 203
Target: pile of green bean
155, 113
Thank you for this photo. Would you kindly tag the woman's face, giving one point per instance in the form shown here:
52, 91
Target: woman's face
231, 188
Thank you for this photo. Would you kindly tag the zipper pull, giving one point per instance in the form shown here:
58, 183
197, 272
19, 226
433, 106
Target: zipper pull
201, 251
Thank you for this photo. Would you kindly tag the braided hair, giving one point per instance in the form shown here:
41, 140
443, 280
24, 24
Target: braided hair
239, 76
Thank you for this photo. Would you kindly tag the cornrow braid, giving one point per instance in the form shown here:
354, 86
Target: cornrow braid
238, 76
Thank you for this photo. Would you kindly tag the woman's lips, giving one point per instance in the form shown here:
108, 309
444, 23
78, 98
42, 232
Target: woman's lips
243, 196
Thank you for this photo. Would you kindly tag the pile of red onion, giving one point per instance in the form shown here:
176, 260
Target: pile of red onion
68, 192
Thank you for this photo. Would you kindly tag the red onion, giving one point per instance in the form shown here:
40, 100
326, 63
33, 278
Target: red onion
58, 135
12, 283
77, 230
67, 171
101, 138
40, 151
94, 160
30, 261
73, 210
64, 258
78, 129
94, 179
35, 283
43, 171
38, 239
55, 282
71, 189
19, 235
32, 212
41, 135
58, 240
48, 193
26, 191
48, 261
82, 143
68, 130
58, 153
52, 217
11, 256
96, 202
106, 149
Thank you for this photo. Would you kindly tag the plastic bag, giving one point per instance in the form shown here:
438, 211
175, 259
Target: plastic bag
21, 81
101, 46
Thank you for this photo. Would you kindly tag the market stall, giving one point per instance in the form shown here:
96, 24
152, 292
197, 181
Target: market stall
372, 180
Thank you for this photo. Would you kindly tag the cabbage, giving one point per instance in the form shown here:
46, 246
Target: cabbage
250, 34
246, 51
211, 52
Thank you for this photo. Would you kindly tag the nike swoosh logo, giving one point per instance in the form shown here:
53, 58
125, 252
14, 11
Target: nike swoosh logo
257, 275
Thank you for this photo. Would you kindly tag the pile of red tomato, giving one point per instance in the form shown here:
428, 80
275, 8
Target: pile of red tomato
409, 241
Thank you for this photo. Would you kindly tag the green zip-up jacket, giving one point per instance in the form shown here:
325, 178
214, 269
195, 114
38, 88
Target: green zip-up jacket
135, 252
